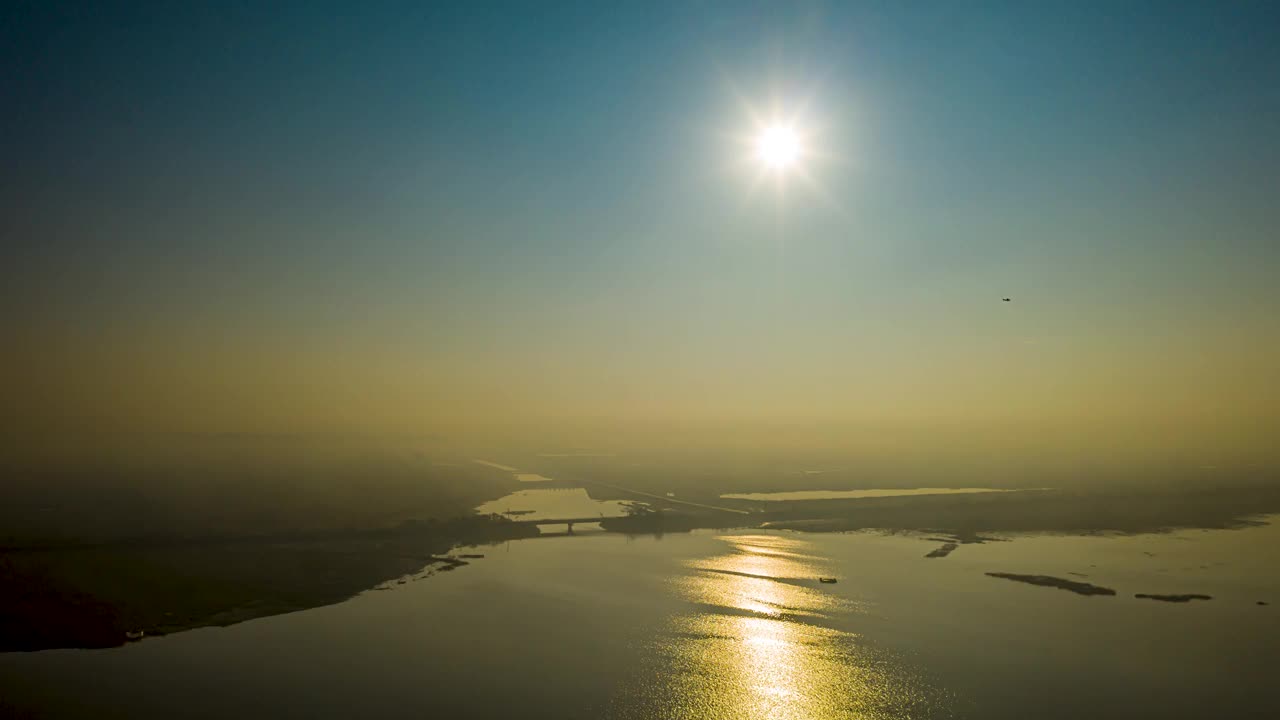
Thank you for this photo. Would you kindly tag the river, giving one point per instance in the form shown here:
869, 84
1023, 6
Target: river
730, 625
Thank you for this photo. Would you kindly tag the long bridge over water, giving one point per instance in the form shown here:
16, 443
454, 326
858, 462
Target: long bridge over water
570, 521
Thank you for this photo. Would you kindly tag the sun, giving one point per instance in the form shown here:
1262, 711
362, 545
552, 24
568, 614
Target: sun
778, 147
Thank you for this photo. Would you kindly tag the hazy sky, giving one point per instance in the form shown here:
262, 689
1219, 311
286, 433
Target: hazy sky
456, 217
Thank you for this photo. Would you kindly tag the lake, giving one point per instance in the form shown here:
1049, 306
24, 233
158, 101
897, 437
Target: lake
552, 503
731, 625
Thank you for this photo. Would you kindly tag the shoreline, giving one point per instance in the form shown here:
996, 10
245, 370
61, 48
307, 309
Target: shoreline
97, 595
103, 595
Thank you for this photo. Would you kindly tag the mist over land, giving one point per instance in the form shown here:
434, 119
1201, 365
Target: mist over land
191, 530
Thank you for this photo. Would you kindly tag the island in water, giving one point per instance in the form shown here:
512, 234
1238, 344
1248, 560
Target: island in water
1079, 588
943, 550
101, 555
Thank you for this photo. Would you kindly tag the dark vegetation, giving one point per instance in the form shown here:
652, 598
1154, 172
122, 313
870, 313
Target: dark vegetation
92, 596
87, 557
1062, 511
967, 518
1174, 598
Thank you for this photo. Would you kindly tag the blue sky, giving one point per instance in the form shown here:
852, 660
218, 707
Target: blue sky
407, 190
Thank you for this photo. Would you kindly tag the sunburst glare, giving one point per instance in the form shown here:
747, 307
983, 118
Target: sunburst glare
778, 147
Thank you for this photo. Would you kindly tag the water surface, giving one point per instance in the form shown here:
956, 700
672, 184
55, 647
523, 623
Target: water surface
553, 503
730, 625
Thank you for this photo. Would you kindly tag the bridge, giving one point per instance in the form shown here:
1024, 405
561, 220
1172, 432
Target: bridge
564, 521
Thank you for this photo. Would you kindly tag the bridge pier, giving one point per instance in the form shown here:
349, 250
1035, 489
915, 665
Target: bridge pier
568, 522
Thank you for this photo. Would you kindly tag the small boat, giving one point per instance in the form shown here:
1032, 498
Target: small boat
829, 581
134, 635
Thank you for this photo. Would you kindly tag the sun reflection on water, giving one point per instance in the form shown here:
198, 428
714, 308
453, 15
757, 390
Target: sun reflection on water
758, 642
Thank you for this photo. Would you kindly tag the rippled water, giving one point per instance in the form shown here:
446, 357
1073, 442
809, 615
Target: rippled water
730, 626
760, 640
